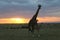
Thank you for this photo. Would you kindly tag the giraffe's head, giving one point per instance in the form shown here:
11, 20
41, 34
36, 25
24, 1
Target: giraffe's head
39, 6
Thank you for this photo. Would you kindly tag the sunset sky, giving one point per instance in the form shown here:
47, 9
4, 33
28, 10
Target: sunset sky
21, 11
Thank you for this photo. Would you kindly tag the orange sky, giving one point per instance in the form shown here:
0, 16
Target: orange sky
24, 20
49, 19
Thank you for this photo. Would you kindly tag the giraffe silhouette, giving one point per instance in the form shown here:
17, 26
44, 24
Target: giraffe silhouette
33, 21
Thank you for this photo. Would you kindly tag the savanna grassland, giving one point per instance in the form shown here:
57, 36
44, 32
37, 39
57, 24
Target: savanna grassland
48, 31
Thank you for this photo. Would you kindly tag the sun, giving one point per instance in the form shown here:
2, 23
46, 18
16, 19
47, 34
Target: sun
18, 20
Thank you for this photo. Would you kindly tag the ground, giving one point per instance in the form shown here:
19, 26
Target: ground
22, 34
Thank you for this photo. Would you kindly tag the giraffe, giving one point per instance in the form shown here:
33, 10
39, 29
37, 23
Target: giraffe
33, 21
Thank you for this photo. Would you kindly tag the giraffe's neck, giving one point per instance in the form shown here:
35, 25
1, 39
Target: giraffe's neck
35, 16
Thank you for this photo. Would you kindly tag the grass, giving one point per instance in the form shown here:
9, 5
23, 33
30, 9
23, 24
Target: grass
22, 34
47, 32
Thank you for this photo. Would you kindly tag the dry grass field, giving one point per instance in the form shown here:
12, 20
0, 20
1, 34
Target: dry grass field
47, 32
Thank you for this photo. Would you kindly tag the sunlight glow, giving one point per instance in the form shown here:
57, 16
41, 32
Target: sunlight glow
26, 20
13, 20
18, 20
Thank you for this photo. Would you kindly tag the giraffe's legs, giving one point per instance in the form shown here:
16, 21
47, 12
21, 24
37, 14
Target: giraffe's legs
37, 30
32, 31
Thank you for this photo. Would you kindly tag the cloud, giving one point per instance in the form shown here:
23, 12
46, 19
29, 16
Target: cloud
49, 7
33, 2
30, 2
48, 2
